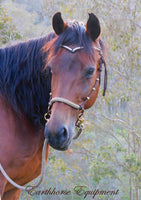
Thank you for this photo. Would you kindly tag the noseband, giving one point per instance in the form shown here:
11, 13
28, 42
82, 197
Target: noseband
80, 120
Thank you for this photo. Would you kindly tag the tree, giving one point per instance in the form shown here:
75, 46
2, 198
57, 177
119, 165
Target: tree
108, 153
7, 29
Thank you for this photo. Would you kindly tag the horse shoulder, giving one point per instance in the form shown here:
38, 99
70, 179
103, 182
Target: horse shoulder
21, 146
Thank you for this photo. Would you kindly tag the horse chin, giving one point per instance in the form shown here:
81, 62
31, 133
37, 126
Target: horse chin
62, 148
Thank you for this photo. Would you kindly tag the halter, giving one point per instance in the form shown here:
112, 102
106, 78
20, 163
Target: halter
80, 120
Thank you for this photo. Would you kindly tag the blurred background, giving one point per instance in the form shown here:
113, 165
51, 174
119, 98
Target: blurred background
107, 155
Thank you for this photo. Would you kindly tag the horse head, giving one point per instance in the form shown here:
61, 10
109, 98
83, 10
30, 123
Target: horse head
74, 61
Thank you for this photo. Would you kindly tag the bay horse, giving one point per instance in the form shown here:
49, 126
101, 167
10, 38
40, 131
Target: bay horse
61, 70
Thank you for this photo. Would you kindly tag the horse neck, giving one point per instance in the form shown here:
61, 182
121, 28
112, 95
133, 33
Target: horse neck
22, 80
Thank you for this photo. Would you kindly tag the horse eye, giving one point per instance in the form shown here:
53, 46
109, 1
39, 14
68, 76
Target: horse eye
90, 71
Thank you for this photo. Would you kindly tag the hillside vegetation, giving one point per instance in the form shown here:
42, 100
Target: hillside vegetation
107, 156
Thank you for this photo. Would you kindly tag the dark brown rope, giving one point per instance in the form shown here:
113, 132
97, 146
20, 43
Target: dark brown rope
102, 61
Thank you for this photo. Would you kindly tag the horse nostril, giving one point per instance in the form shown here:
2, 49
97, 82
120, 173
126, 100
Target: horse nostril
63, 133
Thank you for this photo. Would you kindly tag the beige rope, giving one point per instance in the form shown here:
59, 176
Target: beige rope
28, 188
66, 101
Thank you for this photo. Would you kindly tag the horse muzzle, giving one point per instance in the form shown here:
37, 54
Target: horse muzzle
58, 137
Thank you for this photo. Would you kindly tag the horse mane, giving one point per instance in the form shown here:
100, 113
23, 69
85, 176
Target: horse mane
23, 80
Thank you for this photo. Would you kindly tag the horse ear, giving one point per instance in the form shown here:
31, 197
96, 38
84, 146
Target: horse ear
93, 27
58, 23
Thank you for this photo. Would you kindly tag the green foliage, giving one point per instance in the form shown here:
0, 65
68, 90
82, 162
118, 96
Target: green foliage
108, 153
7, 29
133, 165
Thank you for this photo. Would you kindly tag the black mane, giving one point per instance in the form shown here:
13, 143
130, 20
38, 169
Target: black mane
23, 80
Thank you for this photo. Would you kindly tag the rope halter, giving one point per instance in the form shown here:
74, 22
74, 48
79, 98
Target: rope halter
80, 120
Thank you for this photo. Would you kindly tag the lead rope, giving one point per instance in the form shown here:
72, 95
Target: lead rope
29, 187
